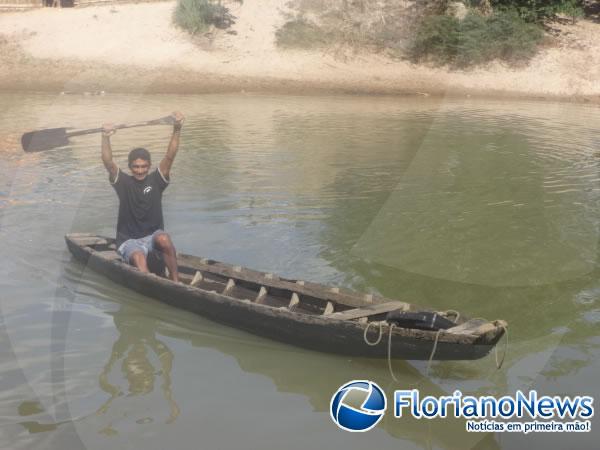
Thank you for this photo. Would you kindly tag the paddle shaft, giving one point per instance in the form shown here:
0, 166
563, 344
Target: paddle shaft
163, 120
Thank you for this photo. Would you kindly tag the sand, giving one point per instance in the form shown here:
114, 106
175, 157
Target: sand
135, 48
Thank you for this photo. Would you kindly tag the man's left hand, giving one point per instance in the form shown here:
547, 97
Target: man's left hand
179, 118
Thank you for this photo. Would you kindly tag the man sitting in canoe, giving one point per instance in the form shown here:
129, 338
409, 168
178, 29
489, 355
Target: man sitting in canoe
140, 224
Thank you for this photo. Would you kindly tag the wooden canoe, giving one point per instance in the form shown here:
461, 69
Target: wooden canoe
296, 312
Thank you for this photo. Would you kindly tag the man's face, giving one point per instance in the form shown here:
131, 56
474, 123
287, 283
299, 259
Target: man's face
139, 168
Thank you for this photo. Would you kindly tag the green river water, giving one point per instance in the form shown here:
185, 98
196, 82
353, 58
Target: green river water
491, 208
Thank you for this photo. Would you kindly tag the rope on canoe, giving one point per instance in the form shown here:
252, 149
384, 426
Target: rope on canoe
378, 340
505, 328
389, 346
389, 353
373, 344
499, 365
433, 350
454, 313
435, 343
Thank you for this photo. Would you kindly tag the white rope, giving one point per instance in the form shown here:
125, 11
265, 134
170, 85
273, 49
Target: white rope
373, 344
499, 365
378, 340
435, 343
389, 353
505, 328
453, 312
433, 350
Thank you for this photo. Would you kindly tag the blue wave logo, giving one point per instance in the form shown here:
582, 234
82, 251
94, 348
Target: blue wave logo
358, 406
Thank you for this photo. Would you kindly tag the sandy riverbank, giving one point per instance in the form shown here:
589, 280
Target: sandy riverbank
135, 48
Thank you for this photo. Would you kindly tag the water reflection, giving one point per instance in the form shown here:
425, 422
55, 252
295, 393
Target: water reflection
144, 361
301, 372
34, 408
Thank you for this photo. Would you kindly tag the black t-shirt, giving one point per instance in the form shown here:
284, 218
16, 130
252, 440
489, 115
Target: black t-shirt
140, 205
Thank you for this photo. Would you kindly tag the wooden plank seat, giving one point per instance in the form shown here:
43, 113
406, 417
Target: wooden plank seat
473, 326
357, 313
90, 240
108, 254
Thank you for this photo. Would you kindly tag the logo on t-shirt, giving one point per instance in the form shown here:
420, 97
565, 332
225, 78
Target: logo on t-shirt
147, 189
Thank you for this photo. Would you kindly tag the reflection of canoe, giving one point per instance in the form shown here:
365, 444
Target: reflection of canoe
288, 372
300, 313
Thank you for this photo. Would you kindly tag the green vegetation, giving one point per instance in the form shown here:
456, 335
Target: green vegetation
476, 39
196, 16
353, 24
433, 31
300, 33
539, 10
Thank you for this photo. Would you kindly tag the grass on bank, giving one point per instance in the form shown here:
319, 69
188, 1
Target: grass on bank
301, 33
537, 11
476, 39
196, 16
417, 35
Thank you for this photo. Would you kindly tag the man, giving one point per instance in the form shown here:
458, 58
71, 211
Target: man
140, 224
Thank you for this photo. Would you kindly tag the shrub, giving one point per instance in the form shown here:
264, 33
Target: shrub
511, 39
300, 33
437, 37
571, 8
538, 10
476, 39
197, 15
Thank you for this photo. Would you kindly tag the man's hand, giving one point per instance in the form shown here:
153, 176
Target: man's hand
178, 118
167, 161
108, 129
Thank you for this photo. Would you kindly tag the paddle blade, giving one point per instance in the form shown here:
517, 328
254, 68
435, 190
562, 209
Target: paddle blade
37, 141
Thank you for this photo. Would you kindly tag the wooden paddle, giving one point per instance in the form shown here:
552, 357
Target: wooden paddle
40, 140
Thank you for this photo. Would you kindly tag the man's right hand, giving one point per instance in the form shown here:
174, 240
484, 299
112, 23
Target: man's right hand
178, 119
108, 129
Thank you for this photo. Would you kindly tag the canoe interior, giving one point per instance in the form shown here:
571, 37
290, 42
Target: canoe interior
267, 289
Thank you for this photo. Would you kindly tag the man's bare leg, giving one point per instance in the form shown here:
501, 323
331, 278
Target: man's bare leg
163, 244
138, 259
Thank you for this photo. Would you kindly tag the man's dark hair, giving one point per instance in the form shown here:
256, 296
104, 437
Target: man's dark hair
139, 153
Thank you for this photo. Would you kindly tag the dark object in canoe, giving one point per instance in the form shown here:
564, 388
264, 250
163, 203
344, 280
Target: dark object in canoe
422, 320
300, 313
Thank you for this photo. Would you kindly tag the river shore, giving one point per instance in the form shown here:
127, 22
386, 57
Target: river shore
135, 48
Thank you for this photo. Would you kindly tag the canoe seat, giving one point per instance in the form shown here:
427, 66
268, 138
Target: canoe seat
357, 313
261, 296
198, 277
89, 240
108, 254
473, 326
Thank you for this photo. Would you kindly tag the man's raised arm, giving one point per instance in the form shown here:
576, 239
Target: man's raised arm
167, 161
107, 131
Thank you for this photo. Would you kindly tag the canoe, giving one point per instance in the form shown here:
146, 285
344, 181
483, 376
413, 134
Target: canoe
305, 314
